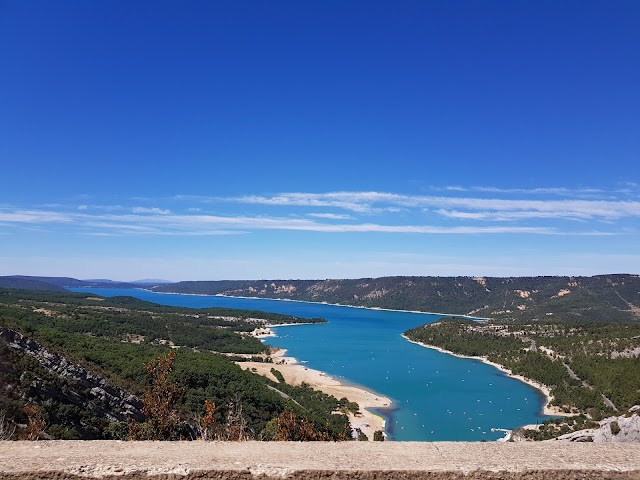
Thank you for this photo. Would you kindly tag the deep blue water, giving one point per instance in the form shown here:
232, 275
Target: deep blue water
435, 396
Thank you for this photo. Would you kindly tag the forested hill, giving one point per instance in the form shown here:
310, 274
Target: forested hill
592, 370
601, 298
598, 298
80, 366
26, 282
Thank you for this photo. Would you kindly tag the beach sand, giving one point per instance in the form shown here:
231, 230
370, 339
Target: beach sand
295, 373
548, 409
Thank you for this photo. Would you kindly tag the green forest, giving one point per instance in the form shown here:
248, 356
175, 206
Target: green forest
600, 298
583, 364
105, 354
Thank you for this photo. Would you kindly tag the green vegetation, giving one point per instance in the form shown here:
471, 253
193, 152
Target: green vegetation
555, 427
602, 298
590, 368
348, 407
27, 284
122, 341
615, 427
132, 320
278, 375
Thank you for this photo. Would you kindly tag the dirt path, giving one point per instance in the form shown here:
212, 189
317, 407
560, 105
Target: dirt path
357, 460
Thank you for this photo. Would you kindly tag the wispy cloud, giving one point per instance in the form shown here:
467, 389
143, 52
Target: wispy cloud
509, 216
187, 224
624, 189
157, 211
35, 216
367, 202
332, 216
342, 212
562, 191
360, 202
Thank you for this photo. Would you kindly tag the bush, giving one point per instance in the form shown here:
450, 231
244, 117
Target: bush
60, 432
278, 375
615, 427
159, 402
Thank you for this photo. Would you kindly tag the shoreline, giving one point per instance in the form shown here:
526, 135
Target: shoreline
296, 373
547, 409
456, 315
265, 331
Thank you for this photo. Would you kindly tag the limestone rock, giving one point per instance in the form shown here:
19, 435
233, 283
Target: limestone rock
103, 399
611, 430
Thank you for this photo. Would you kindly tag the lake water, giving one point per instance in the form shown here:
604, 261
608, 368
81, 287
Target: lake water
435, 396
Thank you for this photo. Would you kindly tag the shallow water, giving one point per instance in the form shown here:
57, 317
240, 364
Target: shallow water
435, 396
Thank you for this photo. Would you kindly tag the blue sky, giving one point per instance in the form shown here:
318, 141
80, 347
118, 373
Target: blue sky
319, 139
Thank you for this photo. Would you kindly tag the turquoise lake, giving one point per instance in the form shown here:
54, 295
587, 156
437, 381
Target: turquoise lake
435, 396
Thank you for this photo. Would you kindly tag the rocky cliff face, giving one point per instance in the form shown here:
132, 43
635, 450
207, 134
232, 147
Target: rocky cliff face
91, 393
612, 429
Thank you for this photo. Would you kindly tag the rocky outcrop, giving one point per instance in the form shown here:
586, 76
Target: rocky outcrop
92, 393
611, 430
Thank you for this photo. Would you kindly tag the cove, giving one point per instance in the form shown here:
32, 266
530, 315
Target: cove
436, 397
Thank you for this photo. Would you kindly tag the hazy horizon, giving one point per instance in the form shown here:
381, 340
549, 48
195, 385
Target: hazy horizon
116, 280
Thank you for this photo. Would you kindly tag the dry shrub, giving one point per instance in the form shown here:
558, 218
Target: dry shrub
7, 429
159, 402
208, 422
293, 428
36, 424
234, 429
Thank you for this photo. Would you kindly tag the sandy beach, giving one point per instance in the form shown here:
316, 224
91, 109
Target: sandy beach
296, 373
547, 409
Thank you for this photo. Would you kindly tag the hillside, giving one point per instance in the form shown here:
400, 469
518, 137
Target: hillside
27, 284
58, 283
603, 298
79, 366
592, 370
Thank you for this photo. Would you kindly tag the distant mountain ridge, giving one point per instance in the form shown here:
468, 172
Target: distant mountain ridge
151, 281
27, 282
600, 298
614, 297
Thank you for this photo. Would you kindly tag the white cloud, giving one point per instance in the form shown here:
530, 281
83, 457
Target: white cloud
332, 216
508, 216
173, 224
367, 202
458, 214
34, 216
195, 224
563, 191
157, 211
